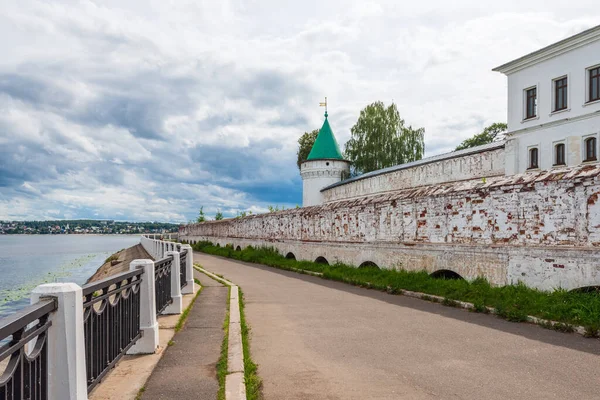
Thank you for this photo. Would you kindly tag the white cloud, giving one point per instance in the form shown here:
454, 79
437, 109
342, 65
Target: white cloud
150, 109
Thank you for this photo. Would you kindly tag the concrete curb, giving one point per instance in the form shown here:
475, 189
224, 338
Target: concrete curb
235, 385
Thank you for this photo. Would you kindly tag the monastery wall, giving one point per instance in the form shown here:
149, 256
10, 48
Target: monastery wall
457, 166
540, 228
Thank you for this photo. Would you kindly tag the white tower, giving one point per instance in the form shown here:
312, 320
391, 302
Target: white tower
324, 166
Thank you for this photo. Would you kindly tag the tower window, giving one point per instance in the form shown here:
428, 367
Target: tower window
594, 84
559, 154
530, 103
533, 158
560, 94
590, 149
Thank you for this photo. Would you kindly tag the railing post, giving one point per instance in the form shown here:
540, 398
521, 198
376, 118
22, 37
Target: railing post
176, 307
148, 343
189, 270
66, 347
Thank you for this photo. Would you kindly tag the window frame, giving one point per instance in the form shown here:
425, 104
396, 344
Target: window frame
588, 83
565, 92
556, 146
530, 165
526, 97
586, 152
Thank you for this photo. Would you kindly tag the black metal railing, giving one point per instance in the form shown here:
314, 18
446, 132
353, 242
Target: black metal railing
26, 373
111, 322
182, 267
162, 283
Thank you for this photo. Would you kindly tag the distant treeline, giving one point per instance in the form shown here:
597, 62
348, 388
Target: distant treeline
84, 226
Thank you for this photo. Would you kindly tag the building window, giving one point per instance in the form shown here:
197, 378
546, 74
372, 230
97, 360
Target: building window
560, 94
594, 90
533, 158
530, 103
559, 154
590, 149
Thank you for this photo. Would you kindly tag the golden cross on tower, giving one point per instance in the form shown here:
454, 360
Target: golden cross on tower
324, 105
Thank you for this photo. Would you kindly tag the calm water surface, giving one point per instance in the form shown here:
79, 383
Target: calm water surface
30, 260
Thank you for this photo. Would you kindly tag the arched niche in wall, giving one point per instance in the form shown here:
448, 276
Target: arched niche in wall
290, 256
587, 289
369, 264
321, 260
238, 248
446, 274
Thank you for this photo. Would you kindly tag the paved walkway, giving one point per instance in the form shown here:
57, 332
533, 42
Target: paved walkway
187, 370
315, 339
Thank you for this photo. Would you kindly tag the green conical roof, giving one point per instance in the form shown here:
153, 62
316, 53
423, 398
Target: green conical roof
325, 145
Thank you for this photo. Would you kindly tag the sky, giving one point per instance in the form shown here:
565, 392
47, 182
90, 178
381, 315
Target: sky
148, 110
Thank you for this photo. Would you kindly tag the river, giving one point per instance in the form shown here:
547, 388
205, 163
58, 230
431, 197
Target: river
30, 260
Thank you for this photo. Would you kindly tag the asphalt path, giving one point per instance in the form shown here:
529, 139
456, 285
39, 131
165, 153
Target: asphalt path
317, 339
188, 369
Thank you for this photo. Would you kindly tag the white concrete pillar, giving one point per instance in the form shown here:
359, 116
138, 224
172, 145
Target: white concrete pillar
148, 343
66, 347
176, 307
189, 270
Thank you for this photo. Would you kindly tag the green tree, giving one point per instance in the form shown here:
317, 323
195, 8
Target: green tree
379, 139
218, 215
201, 216
305, 144
490, 134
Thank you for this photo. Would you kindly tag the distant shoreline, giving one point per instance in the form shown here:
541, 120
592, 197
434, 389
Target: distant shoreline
83, 234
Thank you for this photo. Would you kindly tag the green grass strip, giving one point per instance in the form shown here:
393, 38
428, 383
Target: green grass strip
512, 302
253, 381
251, 378
222, 363
184, 315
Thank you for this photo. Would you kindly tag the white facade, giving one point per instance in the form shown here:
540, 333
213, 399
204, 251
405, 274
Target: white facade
318, 174
573, 58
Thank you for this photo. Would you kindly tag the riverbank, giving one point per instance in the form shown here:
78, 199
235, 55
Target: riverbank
119, 262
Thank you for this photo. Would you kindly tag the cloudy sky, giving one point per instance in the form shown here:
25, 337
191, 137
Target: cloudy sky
147, 110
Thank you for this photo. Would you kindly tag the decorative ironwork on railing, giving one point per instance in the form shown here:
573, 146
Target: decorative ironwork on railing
26, 372
183, 266
162, 283
111, 322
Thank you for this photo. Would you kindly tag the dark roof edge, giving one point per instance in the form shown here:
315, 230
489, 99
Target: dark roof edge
325, 159
424, 161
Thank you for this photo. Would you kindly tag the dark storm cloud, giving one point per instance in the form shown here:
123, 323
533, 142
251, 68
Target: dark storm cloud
33, 90
21, 161
237, 163
141, 117
270, 88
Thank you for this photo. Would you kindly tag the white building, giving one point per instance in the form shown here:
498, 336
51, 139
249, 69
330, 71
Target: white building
554, 105
553, 122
